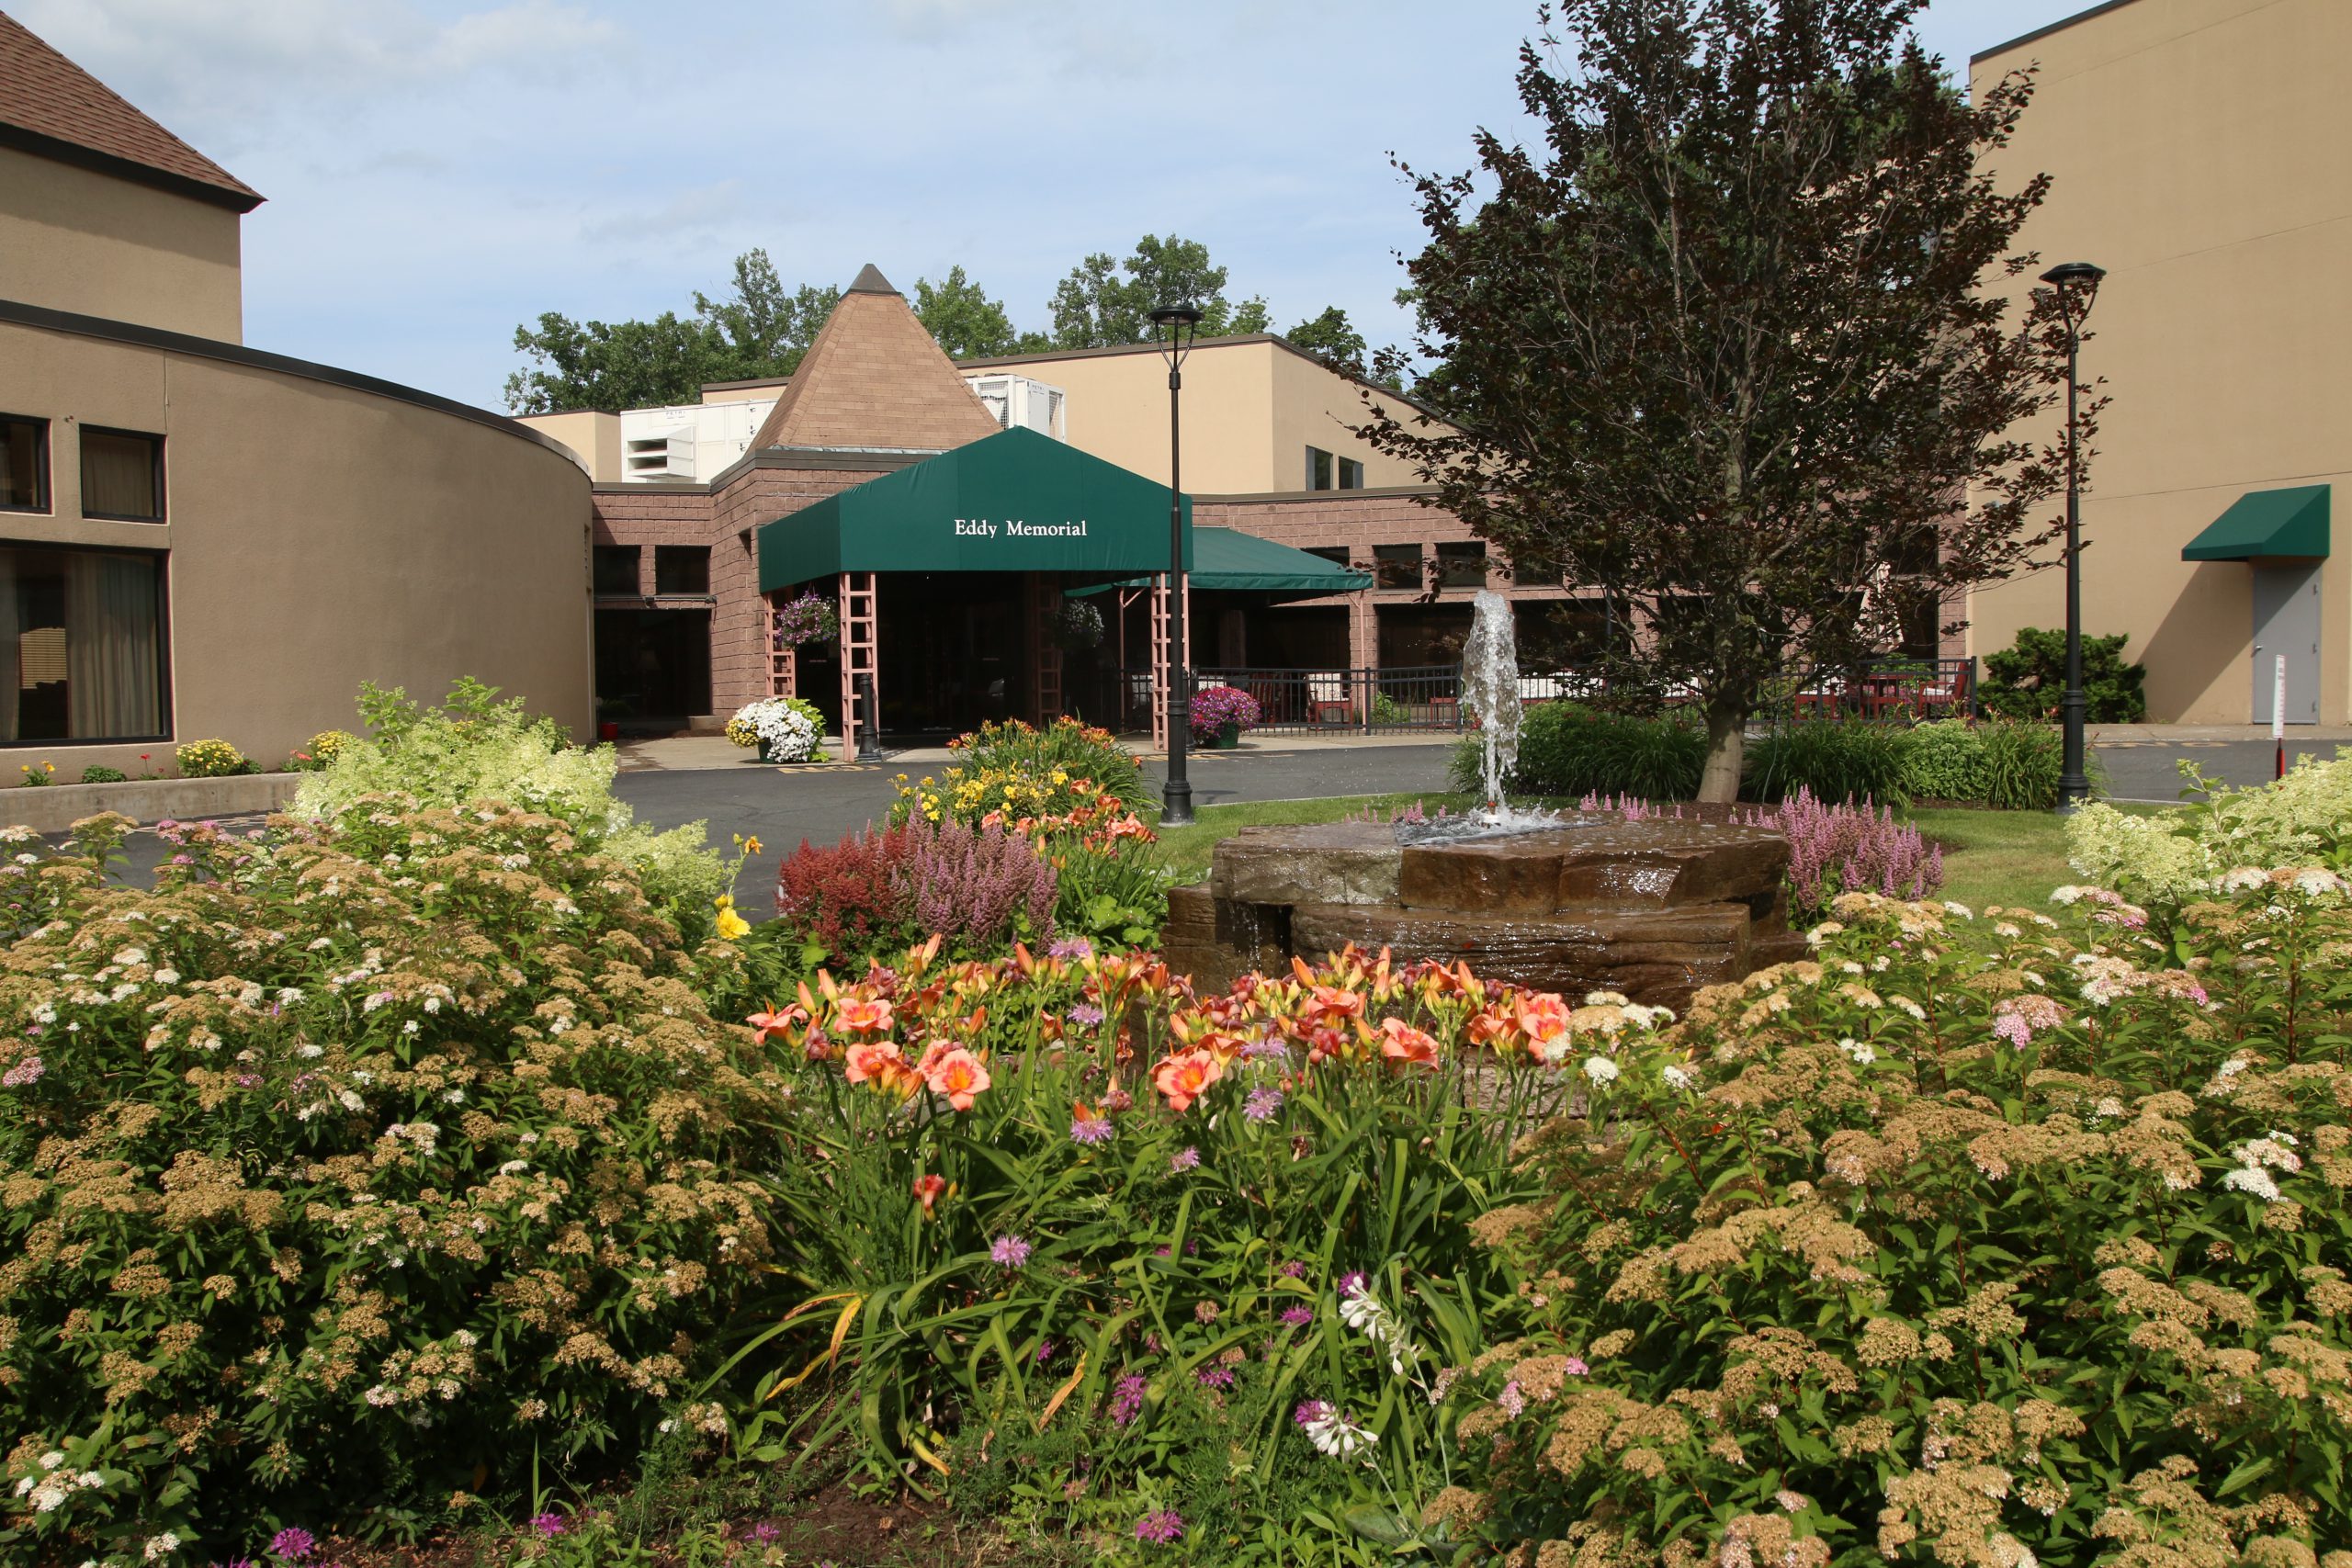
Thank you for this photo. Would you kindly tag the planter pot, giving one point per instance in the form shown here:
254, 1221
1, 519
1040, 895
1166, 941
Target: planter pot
1228, 737
609, 730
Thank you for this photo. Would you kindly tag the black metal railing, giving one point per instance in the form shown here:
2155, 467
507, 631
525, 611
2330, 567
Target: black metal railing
1893, 689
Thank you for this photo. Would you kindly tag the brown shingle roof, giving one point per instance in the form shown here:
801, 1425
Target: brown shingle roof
55, 107
875, 378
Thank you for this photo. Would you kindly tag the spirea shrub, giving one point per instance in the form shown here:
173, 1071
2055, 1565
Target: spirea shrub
346, 1171
1988, 1241
473, 748
2173, 859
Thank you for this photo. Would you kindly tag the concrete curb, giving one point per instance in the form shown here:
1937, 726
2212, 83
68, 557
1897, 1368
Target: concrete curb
52, 809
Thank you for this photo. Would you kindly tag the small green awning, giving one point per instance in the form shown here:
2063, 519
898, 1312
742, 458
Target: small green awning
2263, 524
1013, 502
1229, 560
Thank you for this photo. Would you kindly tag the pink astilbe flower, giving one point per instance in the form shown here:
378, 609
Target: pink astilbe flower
1850, 848
966, 880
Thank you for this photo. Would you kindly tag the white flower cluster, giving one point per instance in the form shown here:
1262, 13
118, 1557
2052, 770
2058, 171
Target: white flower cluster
1364, 1313
786, 732
48, 1488
2256, 1159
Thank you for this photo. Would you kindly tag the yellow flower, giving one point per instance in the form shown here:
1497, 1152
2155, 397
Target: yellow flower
730, 924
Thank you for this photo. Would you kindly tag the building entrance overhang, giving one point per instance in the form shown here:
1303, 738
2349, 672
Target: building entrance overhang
1013, 502
1227, 560
2266, 524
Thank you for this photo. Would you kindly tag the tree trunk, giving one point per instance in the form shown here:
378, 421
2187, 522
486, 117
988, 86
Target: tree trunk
1726, 737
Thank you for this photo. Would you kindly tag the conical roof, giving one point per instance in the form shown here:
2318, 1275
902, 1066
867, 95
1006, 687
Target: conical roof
875, 378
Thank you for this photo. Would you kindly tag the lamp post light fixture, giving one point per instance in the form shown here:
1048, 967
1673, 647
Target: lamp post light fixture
1174, 327
2076, 285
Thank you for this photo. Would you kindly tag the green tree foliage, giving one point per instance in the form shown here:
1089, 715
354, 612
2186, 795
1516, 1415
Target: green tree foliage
758, 329
1331, 338
1732, 341
967, 323
2025, 679
1105, 302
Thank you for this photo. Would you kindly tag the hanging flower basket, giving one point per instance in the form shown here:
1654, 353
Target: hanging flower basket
1078, 626
813, 617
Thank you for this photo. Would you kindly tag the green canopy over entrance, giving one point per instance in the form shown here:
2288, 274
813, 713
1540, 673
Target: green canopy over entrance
2264, 523
1014, 501
1229, 560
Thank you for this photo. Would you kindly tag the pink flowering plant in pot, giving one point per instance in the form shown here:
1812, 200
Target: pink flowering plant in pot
1997, 1238
1221, 713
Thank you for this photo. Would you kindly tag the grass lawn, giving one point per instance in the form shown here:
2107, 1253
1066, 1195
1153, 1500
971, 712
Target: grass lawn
1990, 857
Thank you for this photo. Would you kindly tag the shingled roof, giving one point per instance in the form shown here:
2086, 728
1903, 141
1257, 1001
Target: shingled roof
51, 107
875, 379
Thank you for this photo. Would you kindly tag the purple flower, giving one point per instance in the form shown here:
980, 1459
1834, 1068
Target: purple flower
1310, 1411
1160, 1526
1186, 1159
1090, 1130
1085, 1015
1075, 947
1214, 1377
27, 1072
1350, 1285
1009, 1251
548, 1524
1046, 1349
1265, 1049
1511, 1400
767, 1532
1262, 1104
1574, 1366
1293, 1269
1298, 1317
1116, 1098
1126, 1398
293, 1544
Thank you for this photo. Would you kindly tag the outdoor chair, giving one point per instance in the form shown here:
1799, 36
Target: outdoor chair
1326, 698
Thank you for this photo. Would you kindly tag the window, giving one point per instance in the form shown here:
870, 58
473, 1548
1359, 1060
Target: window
613, 570
1318, 469
122, 475
1461, 565
1350, 474
1335, 554
24, 463
682, 569
1397, 566
81, 645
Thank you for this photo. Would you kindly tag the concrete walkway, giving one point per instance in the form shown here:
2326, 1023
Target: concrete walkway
679, 753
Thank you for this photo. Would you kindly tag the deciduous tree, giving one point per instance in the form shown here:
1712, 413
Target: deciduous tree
1105, 302
1733, 343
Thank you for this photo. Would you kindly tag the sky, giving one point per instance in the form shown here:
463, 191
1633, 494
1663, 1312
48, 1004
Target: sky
439, 171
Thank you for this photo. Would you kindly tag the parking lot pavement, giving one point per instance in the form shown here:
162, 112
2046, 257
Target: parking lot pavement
2150, 769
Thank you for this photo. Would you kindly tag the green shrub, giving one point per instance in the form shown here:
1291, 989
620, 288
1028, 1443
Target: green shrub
1944, 760
1836, 760
99, 772
345, 1163
474, 747
2176, 857
2027, 680
2023, 762
1566, 748
1939, 1265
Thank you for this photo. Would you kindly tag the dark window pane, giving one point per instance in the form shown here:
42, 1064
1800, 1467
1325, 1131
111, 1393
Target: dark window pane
81, 645
1318, 469
122, 475
1397, 566
24, 463
614, 569
1335, 554
682, 569
1461, 565
1350, 474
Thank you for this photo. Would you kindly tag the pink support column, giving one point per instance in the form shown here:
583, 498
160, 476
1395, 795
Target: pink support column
1161, 679
783, 659
860, 651
1044, 653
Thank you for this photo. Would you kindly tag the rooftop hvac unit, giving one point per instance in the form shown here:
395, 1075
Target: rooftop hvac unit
669, 454
1018, 401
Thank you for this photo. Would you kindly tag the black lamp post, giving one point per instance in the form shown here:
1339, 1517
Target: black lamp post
2077, 284
1174, 327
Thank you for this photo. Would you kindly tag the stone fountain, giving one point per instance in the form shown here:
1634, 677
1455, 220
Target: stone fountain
1655, 908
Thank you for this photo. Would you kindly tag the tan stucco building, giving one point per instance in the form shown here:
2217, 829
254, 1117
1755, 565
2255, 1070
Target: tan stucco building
2201, 151
198, 539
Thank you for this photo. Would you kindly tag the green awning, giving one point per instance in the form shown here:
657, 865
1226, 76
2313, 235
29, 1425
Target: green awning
1229, 560
1013, 502
2262, 524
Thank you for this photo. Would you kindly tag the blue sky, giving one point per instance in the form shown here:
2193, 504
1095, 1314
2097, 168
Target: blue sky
439, 172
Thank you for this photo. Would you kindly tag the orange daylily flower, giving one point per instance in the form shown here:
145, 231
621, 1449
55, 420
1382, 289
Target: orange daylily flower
862, 1015
776, 1021
1184, 1077
959, 1074
929, 1189
1401, 1042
